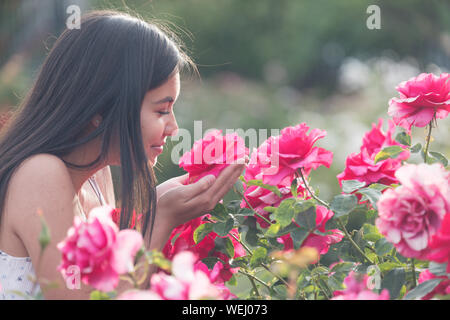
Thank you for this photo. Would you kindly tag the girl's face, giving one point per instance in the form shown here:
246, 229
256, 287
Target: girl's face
157, 116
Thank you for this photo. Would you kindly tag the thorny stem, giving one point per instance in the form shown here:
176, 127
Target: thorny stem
427, 144
309, 190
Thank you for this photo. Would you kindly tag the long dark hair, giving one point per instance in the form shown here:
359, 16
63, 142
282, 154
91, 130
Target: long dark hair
105, 67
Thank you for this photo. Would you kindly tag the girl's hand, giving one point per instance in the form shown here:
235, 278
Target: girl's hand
182, 203
170, 184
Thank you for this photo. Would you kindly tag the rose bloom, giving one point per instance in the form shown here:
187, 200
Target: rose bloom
187, 282
356, 289
412, 213
360, 166
99, 249
443, 288
185, 242
212, 154
278, 158
321, 243
439, 246
420, 99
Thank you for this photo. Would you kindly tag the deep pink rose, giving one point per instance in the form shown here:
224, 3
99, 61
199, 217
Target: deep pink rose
412, 213
187, 282
443, 288
357, 289
278, 158
439, 246
212, 154
99, 249
320, 242
420, 99
185, 241
360, 166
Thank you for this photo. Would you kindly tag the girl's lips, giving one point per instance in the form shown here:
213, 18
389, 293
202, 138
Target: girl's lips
158, 148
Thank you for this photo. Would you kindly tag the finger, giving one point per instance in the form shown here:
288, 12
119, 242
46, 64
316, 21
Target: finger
192, 190
225, 181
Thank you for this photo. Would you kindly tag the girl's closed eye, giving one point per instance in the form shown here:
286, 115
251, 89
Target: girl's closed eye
164, 112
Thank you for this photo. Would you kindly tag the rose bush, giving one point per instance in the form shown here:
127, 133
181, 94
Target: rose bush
385, 236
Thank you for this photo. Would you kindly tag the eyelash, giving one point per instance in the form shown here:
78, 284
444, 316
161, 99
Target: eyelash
163, 112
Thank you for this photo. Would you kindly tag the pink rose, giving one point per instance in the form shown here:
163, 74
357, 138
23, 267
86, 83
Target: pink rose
439, 246
420, 99
278, 158
360, 166
212, 154
412, 213
186, 281
357, 289
99, 249
443, 288
321, 242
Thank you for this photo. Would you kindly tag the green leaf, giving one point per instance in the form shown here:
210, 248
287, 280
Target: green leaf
246, 212
99, 295
422, 289
388, 152
370, 194
224, 245
223, 228
343, 204
210, 262
219, 213
386, 266
303, 205
439, 157
294, 188
307, 219
348, 186
403, 138
438, 269
393, 281
202, 231
270, 209
416, 148
298, 236
239, 262
383, 247
371, 232
251, 237
259, 183
258, 257
273, 230
285, 212
344, 267
378, 186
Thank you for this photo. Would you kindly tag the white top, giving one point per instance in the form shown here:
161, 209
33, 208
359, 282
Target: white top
17, 273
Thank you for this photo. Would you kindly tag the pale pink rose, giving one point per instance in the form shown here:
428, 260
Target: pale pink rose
99, 249
186, 281
279, 157
420, 99
357, 289
135, 294
212, 154
412, 213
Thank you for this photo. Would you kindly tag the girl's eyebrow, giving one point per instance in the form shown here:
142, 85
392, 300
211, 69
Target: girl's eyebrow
164, 100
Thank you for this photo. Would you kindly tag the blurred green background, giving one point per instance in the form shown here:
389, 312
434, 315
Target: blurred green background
264, 63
